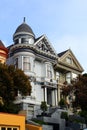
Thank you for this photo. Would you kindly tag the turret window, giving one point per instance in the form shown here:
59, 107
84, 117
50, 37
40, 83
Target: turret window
25, 40
26, 63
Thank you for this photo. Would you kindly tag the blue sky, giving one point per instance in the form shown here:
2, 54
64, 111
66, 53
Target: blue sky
63, 21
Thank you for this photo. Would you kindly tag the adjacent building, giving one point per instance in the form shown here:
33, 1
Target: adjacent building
3, 52
68, 68
12, 122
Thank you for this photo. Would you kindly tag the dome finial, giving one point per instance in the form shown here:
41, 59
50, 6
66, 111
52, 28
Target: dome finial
24, 20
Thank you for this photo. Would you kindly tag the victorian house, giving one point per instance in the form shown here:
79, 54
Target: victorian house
46, 69
68, 69
36, 57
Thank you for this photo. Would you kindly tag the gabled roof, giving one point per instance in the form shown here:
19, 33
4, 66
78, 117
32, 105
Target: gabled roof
38, 38
43, 40
62, 53
69, 54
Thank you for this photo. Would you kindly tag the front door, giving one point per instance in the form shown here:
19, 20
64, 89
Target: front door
49, 96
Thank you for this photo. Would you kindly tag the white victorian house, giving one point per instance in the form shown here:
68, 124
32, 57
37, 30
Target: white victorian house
46, 69
36, 57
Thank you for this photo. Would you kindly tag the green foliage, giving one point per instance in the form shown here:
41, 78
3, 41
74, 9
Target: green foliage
62, 102
64, 115
84, 115
10, 108
39, 122
78, 88
81, 92
43, 106
12, 80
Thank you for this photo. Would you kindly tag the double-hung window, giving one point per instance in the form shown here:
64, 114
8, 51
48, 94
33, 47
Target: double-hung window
26, 63
68, 77
49, 71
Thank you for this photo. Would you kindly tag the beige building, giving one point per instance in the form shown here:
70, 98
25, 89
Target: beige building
68, 68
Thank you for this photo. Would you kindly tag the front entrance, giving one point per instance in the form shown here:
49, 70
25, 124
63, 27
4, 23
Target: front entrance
49, 96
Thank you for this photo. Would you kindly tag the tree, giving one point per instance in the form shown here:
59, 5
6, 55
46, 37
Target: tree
12, 80
79, 89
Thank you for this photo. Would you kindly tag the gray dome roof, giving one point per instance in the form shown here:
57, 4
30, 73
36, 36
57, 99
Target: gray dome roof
24, 28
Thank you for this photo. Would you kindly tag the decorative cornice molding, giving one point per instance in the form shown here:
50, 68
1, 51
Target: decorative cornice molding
33, 48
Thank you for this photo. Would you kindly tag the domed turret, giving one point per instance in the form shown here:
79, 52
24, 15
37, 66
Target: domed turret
23, 34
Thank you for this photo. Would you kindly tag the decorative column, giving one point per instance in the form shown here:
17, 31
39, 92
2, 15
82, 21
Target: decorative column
58, 93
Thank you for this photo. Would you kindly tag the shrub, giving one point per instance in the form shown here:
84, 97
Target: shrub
43, 106
64, 115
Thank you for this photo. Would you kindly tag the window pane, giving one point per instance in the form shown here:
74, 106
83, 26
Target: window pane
14, 128
3, 128
49, 71
69, 60
8, 128
26, 63
68, 77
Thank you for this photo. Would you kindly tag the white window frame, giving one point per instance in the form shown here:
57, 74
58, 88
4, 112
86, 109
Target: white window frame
26, 63
7, 127
49, 71
68, 77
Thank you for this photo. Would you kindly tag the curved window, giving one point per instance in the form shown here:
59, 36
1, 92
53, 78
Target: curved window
25, 40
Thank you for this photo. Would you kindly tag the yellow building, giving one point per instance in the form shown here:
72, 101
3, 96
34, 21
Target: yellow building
3, 53
15, 122
12, 122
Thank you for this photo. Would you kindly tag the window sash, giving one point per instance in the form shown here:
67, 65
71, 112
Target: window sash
49, 71
26, 63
